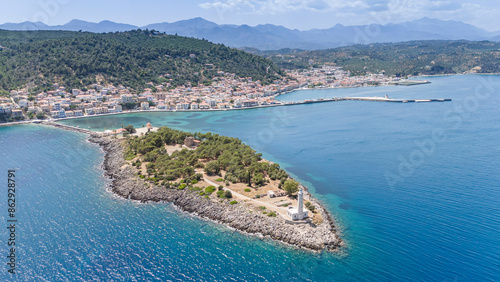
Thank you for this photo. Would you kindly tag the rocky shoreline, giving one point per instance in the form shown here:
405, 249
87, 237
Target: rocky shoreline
127, 185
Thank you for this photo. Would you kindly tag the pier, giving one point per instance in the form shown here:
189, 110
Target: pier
71, 128
372, 99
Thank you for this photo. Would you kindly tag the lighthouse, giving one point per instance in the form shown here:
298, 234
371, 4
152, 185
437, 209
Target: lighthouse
300, 204
298, 213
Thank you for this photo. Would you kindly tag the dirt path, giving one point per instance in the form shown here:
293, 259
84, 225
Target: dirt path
257, 203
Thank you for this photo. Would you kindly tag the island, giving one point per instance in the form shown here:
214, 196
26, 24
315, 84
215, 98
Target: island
217, 178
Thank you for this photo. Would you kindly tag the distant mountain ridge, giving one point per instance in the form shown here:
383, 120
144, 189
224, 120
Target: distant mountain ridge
272, 37
74, 25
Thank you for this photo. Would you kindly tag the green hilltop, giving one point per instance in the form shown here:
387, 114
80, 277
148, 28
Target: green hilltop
132, 59
400, 59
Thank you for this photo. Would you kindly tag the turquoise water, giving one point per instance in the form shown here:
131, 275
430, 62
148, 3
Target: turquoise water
415, 188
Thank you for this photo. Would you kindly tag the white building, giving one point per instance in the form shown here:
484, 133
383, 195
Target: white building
298, 213
62, 113
88, 111
127, 98
54, 114
144, 106
23, 103
56, 107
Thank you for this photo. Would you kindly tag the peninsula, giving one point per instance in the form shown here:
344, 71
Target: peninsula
217, 178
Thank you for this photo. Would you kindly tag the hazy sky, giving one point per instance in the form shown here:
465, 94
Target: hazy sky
301, 14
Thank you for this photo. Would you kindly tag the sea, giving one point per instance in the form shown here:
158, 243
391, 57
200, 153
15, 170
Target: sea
414, 189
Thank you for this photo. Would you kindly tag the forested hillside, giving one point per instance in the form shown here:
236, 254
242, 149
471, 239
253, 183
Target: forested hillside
132, 59
401, 59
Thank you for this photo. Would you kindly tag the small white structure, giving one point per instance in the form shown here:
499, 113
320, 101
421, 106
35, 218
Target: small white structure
298, 213
271, 194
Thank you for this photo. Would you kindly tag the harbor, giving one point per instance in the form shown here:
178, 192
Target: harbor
321, 100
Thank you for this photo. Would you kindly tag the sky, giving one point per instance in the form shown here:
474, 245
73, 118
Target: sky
299, 14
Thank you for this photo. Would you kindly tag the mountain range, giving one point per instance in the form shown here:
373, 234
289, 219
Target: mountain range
272, 37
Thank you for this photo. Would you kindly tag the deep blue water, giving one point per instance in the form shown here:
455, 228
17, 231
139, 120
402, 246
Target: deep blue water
415, 188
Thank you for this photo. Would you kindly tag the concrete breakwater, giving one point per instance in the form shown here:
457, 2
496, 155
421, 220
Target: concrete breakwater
324, 236
372, 99
70, 128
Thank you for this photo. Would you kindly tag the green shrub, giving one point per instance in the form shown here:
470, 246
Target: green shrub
228, 194
220, 194
257, 196
198, 176
310, 206
221, 187
233, 202
262, 207
194, 181
210, 189
182, 186
130, 156
248, 190
272, 214
130, 129
219, 179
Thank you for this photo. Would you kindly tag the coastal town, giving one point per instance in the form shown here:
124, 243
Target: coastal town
227, 91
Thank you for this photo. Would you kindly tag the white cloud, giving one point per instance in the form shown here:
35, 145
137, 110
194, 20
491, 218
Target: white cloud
483, 13
272, 7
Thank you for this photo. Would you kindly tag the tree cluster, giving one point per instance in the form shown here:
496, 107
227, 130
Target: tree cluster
215, 153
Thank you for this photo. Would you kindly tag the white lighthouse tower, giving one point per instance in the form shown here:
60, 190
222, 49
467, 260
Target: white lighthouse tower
298, 213
300, 204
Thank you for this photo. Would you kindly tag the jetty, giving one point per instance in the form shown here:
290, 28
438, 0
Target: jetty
411, 82
372, 99
71, 128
